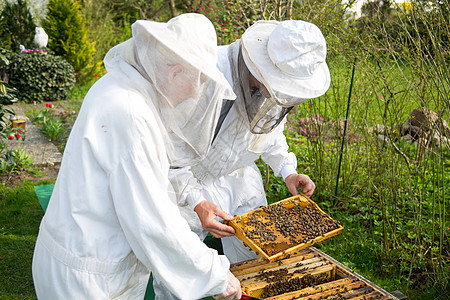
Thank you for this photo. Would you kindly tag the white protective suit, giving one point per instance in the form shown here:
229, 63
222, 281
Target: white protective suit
228, 176
110, 220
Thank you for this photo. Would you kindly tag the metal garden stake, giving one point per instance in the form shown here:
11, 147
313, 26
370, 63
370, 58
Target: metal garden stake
345, 132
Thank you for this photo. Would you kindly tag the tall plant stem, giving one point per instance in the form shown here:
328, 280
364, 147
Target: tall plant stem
345, 132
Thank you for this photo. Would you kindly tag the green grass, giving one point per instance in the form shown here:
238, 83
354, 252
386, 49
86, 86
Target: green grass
20, 216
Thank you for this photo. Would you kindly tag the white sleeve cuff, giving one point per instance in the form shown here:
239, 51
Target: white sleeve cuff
287, 170
194, 198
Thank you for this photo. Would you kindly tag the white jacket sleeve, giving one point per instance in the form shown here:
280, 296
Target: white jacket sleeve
186, 186
282, 162
155, 230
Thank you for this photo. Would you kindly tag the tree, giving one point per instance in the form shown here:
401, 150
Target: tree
68, 36
18, 25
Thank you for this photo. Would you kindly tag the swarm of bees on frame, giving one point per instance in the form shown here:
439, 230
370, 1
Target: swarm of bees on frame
275, 228
284, 284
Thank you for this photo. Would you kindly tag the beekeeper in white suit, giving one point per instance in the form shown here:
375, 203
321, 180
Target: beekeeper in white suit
272, 68
111, 219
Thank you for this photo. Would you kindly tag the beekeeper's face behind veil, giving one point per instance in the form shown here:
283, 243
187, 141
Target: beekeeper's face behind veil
179, 58
281, 64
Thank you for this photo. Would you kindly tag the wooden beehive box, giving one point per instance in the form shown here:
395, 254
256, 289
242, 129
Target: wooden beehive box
287, 226
306, 274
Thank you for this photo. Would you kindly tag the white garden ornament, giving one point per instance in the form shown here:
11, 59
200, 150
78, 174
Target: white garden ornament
40, 38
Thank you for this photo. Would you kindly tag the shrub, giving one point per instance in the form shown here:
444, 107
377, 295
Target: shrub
19, 25
5, 37
39, 76
7, 96
227, 18
67, 32
105, 28
7, 92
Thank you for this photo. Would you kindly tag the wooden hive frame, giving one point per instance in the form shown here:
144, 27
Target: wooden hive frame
238, 223
337, 280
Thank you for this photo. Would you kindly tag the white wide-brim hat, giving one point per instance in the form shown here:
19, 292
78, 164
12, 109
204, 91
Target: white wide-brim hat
192, 38
289, 55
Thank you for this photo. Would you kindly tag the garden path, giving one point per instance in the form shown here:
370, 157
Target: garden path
36, 145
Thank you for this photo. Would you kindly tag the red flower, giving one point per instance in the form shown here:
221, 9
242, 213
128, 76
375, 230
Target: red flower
10, 137
95, 75
18, 136
48, 105
20, 130
308, 106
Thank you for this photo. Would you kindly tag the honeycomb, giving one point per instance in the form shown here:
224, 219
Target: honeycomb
285, 226
305, 274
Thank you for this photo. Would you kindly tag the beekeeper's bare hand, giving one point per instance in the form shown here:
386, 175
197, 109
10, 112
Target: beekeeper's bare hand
300, 181
233, 291
207, 213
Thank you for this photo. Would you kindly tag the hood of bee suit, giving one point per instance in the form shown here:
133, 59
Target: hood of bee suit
188, 40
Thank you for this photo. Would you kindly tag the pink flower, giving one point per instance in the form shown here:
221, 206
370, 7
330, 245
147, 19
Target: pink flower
303, 132
318, 118
11, 137
209, 5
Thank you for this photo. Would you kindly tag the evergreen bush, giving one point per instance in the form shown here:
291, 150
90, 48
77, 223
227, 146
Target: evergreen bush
5, 37
68, 35
18, 27
39, 76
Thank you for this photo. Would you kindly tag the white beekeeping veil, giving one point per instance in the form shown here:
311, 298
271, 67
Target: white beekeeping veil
179, 59
288, 59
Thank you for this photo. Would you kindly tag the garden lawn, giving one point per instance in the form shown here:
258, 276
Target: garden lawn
20, 216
